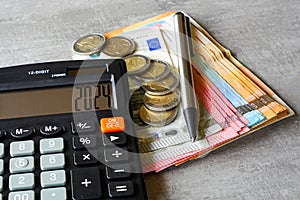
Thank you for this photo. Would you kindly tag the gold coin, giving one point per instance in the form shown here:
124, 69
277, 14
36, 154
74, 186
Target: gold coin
136, 64
157, 70
162, 103
119, 46
162, 87
89, 44
155, 118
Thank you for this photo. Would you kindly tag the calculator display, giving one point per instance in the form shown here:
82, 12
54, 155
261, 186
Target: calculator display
58, 100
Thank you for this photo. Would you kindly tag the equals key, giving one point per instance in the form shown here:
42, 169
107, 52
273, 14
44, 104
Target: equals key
120, 189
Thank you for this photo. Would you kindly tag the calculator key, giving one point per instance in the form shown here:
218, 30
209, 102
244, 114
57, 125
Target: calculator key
1, 197
26, 195
83, 126
52, 161
21, 164
120, 189
111, 139
1, 166
118, 171
1, 183
86, 183
54, 193
112, 124
51, 129
23, 148
1, 150
53, 178
53, 145
21, 133
112, 155
84, 142
21, 181
84, 158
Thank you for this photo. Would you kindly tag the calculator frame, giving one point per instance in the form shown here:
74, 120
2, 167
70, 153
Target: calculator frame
19, 78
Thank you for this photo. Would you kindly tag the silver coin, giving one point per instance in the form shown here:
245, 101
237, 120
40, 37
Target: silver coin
158, 70
119, 46
162, 87
155, 118
163, 102
136, 64
89, 44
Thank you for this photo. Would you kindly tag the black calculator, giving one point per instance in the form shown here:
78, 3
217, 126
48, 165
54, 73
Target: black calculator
66, 132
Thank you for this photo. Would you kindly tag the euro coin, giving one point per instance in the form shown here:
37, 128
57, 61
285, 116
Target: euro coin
162, 87
162, 103
157, 70
119, 46
155, 118
136, 64
89, 44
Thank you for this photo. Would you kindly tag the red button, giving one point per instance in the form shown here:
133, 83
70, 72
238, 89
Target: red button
112, 124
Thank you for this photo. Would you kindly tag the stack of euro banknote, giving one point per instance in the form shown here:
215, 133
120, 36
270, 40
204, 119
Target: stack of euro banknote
233, 102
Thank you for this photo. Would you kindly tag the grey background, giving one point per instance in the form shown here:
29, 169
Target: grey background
264, 35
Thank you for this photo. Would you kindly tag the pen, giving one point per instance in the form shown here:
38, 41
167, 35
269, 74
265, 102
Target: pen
188, 97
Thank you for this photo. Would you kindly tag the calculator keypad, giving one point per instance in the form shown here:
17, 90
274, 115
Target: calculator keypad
75, 175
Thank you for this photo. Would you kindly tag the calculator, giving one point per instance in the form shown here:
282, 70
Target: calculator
66, 132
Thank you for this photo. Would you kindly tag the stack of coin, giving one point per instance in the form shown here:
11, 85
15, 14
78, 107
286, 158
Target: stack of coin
161, 96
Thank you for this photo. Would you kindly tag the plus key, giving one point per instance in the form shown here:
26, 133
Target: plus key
86, 183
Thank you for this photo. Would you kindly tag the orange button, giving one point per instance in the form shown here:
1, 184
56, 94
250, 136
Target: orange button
112, 124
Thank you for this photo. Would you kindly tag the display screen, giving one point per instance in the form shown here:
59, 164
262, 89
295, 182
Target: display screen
48, 101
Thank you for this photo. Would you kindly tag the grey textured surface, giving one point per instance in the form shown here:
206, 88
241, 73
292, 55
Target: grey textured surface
263, 34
